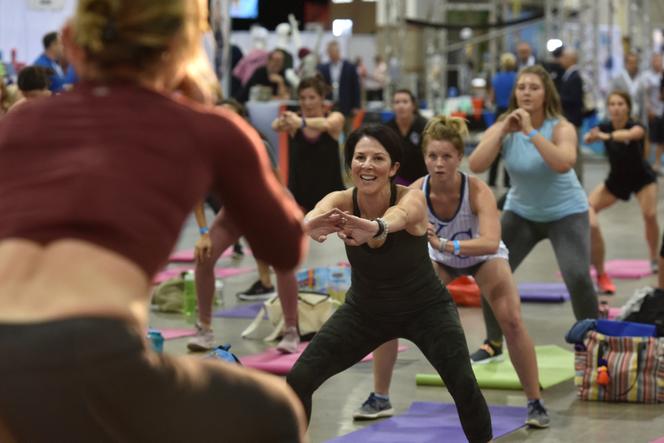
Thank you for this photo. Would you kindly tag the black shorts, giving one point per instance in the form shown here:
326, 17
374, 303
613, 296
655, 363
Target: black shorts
656, 129
458, 272
94, 379
623, 187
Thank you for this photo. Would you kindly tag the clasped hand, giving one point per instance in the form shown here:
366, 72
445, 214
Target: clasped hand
518, 120
353, 230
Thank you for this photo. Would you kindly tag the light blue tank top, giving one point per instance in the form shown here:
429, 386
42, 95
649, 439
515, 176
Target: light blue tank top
539, 193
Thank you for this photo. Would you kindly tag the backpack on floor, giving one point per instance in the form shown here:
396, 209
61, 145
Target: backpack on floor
650, 310
169, 295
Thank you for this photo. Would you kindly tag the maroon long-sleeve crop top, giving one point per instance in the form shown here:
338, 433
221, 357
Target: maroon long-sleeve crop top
121, 167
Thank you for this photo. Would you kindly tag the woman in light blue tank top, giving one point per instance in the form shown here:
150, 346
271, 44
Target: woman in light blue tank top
546, 200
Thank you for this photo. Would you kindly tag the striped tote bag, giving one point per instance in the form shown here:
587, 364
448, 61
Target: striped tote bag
620, 369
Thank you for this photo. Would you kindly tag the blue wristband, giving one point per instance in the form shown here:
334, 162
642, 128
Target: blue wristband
532, 134
204, 230
457, 247
304, 122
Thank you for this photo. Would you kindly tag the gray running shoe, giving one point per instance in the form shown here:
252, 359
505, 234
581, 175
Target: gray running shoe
537, 415
374, 408
202, 341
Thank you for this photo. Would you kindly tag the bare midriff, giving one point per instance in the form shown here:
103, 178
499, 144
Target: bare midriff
69, 278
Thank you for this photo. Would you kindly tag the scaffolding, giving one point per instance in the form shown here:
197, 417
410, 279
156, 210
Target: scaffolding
578, 23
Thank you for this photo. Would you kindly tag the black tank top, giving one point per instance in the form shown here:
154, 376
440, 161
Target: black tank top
396, 278
315, 168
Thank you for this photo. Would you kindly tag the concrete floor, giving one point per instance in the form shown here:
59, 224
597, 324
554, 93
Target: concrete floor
572, 420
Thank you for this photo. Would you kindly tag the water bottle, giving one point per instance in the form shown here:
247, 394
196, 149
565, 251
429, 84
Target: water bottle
338, 284
156, 339
189, 302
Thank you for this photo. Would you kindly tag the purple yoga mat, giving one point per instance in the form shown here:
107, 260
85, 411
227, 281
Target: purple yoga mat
240, 311
543, 292
428, 422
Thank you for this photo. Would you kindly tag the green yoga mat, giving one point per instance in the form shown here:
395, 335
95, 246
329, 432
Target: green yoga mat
555, 366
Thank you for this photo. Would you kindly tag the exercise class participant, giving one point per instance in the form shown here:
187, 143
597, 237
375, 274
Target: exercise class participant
546, 200
116, 168
629, 174
395, 291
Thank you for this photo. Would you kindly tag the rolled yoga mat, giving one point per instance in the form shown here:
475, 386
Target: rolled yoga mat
543, 292
555, 365
275, 362
426, 422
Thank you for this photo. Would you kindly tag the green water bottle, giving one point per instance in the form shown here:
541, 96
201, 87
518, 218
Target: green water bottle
189, 302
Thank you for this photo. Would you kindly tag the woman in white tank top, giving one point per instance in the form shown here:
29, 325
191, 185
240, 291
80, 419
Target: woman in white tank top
464, 239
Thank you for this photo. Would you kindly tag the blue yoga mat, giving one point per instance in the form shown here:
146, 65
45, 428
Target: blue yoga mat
240, 311
426, 422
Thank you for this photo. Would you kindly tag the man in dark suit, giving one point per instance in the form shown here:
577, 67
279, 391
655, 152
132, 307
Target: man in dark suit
570, 89
342, 76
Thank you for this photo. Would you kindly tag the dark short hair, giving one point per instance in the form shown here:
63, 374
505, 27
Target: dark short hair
34, 78
49, 39
317, 83
410, 94
625, 96
385, 135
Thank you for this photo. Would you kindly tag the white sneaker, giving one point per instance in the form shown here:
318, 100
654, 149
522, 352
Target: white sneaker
290, 341
202, 341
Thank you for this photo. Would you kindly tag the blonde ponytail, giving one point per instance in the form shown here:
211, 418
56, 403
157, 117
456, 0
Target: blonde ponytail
444, 128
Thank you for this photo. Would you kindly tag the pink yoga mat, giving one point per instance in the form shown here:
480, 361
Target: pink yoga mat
187, 255
275, 362
173, 333
613, 313
625, 269
659, 440
169, 273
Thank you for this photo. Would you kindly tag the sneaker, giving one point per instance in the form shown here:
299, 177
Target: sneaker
654, 266
290, 341
256, 292
238, 251
487, 353
537, 415
374, 408
202, 341
605, 285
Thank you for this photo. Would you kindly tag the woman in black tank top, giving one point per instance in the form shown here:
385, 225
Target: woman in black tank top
314, 167
629, 174
395, 291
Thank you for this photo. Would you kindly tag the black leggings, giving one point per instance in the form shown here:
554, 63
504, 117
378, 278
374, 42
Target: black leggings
92, 379
351, 334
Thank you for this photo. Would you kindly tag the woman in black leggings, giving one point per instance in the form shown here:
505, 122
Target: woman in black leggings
395, 291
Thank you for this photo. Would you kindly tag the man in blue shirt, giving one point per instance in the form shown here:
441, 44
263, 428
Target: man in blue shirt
50, 58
